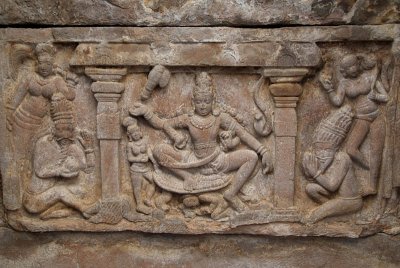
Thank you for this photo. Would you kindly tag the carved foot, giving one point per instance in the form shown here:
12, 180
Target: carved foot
55, 214
144, 209
149, 203
236, 203
91, 210
311, 218
133, 216
218, 212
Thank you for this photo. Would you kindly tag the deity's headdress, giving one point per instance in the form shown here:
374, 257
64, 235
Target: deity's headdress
332, 131
365, 62
203, 86
61, 110
131, 124
45, 52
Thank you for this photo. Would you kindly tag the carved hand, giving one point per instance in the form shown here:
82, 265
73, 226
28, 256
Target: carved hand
267, 163
180, 141
372, 95
10, 120
326, 82
310, 165
72, 79
86, 139
139, 109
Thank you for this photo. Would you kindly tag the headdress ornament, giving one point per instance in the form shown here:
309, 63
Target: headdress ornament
332, 131
203, 85
61, 110
45, 51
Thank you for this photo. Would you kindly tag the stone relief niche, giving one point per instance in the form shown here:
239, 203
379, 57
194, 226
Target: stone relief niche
263, 137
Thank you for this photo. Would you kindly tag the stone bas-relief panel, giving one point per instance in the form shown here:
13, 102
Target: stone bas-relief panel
247, 136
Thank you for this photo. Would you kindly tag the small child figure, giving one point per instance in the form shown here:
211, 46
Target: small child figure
139, 155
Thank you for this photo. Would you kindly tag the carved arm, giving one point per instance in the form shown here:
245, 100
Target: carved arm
333, 178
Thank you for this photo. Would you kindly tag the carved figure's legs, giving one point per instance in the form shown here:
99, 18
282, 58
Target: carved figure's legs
317, 192
334, 207
377, 144
244, 161
150, 189
356, 138
162, 200
137, 183
165, 153
217, 203
41, 202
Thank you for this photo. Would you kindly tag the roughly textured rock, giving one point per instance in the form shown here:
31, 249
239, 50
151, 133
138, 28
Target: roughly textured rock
198, 13
130, 249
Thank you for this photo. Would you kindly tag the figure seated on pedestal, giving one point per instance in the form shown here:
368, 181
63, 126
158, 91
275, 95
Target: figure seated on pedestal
62, 163
206, 167
330, 172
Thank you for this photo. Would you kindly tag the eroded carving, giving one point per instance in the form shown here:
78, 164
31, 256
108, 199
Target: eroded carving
363, 83
28, 105
332, 181
190, 149
139, 156
63, 163
205, 167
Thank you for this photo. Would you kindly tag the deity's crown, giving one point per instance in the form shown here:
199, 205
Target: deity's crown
45, 51
332, 131
203, 85
61, 109
131, 124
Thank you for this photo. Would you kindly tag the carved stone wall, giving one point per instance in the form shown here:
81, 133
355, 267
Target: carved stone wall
201, 130
229, 129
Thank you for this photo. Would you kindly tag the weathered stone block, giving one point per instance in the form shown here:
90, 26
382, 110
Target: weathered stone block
288, 131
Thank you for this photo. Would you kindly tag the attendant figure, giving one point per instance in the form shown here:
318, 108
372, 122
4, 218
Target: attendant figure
62, 165
360, 83
330, 172
139, 155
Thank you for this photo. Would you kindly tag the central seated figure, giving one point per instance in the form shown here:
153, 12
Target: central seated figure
204, 168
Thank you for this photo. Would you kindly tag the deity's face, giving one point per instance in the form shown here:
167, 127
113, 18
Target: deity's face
203, 104
64, 131
350, 67
352, 71
136, 135
45, 67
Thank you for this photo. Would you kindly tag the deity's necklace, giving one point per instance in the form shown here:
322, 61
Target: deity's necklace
202, 123
42, 81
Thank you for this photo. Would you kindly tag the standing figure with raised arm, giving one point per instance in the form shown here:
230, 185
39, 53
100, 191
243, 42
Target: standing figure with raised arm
27, 109
361, 84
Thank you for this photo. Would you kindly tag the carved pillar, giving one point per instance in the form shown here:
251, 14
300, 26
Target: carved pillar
107, 91
285, 89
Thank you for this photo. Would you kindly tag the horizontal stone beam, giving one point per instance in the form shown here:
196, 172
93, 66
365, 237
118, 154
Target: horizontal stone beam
149, 35
264, 54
